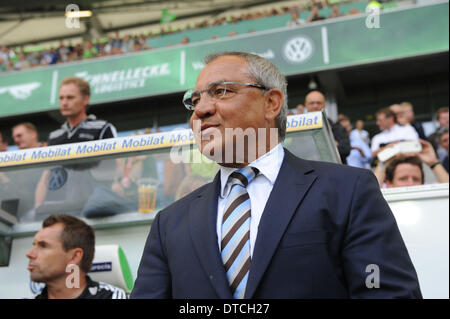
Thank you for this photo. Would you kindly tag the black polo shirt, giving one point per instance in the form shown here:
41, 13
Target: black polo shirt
94, 290
90, 129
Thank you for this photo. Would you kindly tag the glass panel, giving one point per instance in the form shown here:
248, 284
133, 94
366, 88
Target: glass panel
116, 188
101, 188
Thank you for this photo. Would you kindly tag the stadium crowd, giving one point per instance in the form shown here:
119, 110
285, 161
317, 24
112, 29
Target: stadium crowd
18, 58
396, 124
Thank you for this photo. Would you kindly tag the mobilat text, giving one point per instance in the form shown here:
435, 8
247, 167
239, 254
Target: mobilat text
97, 147
304, 122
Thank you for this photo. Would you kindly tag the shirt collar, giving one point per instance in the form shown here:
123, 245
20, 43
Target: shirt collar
265, 165
69, 128
392, 128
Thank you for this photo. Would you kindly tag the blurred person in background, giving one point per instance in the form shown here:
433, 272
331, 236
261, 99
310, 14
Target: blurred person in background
61, 256
4, 179
185, 40
300, 109
295, 19
408, 114
335, 13
89, 50
405, 169
390, 131
360, 154
3, 147
442, 119
400, 119
314, 16
353, 11
3, 64
127, 44
23, 183
315, 102
360, 132
22, 62
25, 135
3, 142
442, 151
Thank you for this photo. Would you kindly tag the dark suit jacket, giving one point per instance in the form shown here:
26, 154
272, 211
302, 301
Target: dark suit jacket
323, 224
341, 136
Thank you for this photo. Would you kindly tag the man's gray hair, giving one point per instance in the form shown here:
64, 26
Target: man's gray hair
265, 73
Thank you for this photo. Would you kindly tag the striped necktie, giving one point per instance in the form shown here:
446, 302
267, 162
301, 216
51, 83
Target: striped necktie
236, 231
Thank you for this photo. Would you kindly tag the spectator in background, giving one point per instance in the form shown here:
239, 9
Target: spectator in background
300, 109
89, 50
360, 154
399, 114
64, 51
344, 121
22, 63
49, 57
141, 43
22, 184
314, 16
360, 132
442, 150
25, 135
61, 256
442, 118
185, 40
353, 11
108, 48
4, 56
77, 53
317, 3
4, 180
390, 131
3, 64
406, 169
408, 114
127, 44
295, 19
3, 142
315, 102
335, 12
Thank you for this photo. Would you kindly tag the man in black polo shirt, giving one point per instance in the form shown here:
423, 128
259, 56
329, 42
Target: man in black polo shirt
74, 94
61, 256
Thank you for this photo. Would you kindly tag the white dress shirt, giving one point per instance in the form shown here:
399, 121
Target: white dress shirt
258, 190
396, 133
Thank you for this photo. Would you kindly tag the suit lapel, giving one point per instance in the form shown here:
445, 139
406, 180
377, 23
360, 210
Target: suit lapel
289, 189
202, 224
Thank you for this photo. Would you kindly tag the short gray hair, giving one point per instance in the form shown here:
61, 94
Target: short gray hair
265, 73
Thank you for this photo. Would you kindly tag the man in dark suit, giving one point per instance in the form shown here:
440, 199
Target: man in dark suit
315, 102
270, 225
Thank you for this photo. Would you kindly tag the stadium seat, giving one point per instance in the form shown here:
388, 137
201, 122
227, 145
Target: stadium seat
111, 266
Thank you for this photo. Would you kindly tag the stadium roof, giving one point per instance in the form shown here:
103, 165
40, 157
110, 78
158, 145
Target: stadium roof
30, 21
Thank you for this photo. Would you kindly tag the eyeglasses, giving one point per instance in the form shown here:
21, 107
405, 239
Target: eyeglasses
217, 91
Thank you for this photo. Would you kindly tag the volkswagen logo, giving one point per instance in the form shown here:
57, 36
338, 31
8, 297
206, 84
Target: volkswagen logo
298, 49
57, 179
36, 287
